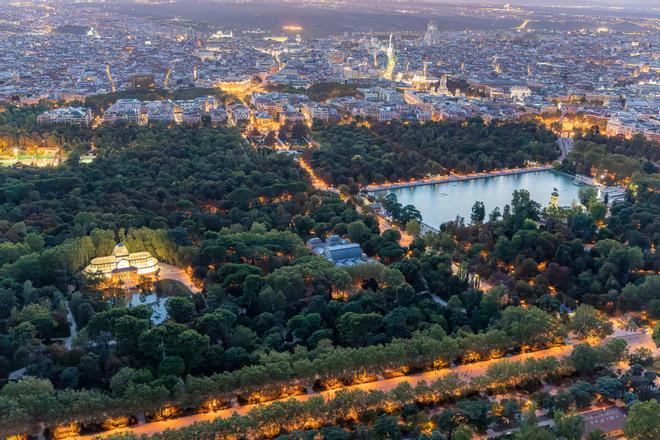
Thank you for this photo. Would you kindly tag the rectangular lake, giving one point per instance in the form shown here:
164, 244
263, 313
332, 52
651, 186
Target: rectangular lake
442, 202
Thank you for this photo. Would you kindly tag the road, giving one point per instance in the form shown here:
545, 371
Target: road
384, 225
635, 340
317, 182
565, 145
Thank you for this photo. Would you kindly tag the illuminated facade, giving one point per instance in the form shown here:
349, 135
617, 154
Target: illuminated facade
123, 265
264, 122
235, 86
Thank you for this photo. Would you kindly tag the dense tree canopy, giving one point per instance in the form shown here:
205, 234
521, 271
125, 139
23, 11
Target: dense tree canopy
613, 159
272, 319
352, 154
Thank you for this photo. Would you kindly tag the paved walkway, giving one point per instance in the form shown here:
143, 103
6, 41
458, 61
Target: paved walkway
73, 328
171, 272
454, 178
565, 146
635, 340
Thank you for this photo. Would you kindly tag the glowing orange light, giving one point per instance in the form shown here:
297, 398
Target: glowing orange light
115, 422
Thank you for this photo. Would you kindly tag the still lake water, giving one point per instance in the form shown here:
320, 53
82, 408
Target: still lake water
442, 202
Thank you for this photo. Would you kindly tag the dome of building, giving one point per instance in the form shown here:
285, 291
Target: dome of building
120, 250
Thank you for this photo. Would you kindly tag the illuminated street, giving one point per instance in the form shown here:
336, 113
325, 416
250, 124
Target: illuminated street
467, 371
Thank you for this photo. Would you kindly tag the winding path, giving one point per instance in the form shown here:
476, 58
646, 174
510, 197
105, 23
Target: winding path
73, 328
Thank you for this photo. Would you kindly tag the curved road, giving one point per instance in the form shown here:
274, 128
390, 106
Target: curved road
635, 340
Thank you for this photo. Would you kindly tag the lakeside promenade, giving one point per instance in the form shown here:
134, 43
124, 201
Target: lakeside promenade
445, 178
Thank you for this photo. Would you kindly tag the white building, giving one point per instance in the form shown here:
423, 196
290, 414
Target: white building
239, 112
628, 125
519, 93
218, 115
129, 110
313, 111
66, 115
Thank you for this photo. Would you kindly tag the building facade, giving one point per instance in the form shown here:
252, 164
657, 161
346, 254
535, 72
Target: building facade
66, 115
123, 266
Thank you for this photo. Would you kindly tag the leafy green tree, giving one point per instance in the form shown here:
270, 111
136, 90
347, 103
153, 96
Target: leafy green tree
613, 351
39, 316
522, 208
303, 326
610, 387
478, 213
475, 412
569, 427
126, 331
495, 215
585, 359
413, 227
126, 378
242, 336
583, 393
641, 356
598, 210
69, 377
304, 224
587, 195
586, 322
90, 368
643, 422
171, 365
596, 434
217, 325
35, 396
358, 232
181, 309
409, 213
530, 326
191, 347
35, 242
334, 433
385, 427
462, 432
358, 329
